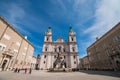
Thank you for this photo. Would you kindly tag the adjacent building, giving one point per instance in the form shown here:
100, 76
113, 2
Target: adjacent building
104, 53
84, 63
15, 50
33, 62
37, 67
68, 51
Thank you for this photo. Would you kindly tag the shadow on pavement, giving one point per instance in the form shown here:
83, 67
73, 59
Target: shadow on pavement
105, 73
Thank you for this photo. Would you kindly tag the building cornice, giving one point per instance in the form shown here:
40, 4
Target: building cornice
104, 35
15, 30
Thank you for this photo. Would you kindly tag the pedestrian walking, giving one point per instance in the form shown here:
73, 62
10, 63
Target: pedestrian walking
30, 71
18, 70
15, 70
25, 70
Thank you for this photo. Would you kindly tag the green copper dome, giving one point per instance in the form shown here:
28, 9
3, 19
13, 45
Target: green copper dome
49, 29
71, 30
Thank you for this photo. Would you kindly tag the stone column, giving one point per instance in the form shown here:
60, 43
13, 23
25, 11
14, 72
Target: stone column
2, 62
9, 63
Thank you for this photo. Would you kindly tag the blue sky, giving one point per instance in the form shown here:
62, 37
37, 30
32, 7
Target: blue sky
89, 19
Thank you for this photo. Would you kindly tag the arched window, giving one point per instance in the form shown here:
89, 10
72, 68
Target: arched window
74, 57
59, 48
46, 48
44, 56
72, 38
47, 39
44, 62
73, 49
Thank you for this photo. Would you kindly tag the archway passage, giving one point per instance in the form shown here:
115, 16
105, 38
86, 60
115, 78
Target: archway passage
118, 65
4, 64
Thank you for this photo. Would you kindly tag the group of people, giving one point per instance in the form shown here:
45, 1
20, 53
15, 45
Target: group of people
18, 70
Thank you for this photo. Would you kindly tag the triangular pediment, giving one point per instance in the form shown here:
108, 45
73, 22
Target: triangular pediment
59, 39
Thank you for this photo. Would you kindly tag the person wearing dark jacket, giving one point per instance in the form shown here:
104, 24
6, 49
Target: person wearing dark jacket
30, 71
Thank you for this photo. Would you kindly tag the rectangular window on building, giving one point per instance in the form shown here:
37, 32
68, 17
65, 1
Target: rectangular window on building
15, 51
25, 48
17, 43
74, 62
23, 55
118, 37
2, 47
6, 36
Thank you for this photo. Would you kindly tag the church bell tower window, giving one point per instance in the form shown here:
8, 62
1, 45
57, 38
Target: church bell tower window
47, 39
72, 38
46, 48
45, 56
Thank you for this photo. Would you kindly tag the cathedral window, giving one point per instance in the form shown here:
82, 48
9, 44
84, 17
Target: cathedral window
46, 48
59, 49
74, 57
44, 62
72, 38
74, 62
47, 38
45, 56
73, 49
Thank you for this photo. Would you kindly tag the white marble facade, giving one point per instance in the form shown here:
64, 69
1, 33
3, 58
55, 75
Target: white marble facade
67, 50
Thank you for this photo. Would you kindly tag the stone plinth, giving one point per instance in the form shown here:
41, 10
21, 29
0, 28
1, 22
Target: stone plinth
60, 70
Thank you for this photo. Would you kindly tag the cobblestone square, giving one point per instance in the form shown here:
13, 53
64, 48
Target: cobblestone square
44, 75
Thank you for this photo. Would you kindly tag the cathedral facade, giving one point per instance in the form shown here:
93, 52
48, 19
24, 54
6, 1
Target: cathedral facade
68, 51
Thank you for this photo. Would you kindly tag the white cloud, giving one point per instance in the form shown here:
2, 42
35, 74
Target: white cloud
15, 12
107, 15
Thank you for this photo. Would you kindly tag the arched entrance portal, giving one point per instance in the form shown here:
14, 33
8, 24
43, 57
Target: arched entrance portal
4, 64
